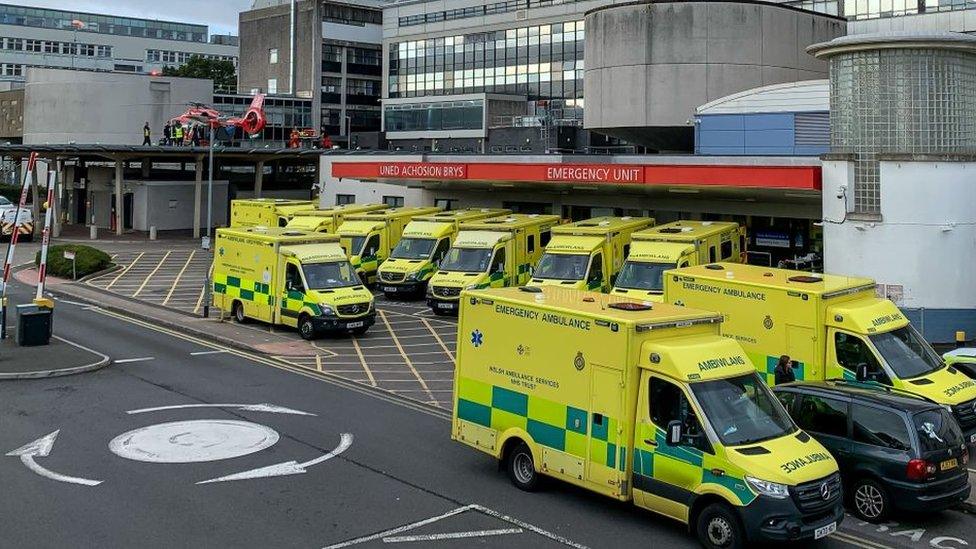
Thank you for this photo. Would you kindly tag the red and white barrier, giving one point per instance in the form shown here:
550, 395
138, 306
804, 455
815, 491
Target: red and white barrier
52, 179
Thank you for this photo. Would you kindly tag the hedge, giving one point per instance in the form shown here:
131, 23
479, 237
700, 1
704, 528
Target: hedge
88, 260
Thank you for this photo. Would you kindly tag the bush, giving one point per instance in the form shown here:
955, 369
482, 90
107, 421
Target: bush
88, 260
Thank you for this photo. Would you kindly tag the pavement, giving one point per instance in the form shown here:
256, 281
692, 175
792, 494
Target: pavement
61, 358
181, 436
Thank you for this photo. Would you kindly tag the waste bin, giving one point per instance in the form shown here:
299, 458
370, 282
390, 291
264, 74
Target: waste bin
34, 325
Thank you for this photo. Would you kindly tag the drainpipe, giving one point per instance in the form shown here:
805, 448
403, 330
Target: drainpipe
291, 50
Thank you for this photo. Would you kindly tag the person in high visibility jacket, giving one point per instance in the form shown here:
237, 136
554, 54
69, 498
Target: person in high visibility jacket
146, 133
177, 133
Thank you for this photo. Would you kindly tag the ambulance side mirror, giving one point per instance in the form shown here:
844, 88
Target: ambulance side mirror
861, 372
289, 286
674, 433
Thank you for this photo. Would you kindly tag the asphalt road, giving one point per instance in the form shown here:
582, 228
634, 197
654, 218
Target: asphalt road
401, 468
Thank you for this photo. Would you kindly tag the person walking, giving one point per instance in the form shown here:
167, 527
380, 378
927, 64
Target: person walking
146, 141
167, 133
784, 370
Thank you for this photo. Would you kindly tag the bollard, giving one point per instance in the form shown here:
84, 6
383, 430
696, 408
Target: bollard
152, 232
94, 233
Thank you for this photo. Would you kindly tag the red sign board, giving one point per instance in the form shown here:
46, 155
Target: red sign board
782, 177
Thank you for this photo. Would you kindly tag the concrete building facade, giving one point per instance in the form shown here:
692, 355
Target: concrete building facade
326, 51
41, 37
649, 65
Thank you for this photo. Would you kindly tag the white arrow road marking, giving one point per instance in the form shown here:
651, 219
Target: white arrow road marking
287, 467
270, 408
42, 448
453, 535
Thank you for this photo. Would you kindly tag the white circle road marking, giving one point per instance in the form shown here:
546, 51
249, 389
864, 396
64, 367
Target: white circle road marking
193, 441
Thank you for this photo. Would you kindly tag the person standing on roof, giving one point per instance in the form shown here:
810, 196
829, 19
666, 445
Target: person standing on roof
177, 133
146, 141
167, 133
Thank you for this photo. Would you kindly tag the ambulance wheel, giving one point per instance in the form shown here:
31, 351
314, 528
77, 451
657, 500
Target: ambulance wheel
306, 328
869, 500
521, 468
237, 310
719, 528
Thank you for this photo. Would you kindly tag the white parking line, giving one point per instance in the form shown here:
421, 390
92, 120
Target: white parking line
453, 535
128, 360
216, 352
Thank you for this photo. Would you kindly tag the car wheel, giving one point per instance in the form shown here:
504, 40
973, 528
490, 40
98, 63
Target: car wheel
306, 328
237, 309
719, 528
870, 501
521, 468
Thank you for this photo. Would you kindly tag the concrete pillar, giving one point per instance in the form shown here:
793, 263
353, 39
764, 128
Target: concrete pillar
119, 198
258, 178
197, 197
60, 199
146, 168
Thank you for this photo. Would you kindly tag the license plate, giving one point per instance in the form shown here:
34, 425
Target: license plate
445, 305
949, 464
390, 289
825, 531
359, 324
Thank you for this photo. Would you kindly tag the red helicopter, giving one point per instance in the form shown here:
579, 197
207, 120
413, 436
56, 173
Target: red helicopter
200, 114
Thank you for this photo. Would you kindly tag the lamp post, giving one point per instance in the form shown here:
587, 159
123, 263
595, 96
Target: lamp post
208, 288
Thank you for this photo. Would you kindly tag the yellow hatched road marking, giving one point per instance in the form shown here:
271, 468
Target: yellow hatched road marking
439, 340
199, 301
407, 358
125, 270
178, 277
362, 360
148, 278
318, 362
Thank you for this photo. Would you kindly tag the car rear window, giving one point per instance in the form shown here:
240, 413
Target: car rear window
881, 428
937, 430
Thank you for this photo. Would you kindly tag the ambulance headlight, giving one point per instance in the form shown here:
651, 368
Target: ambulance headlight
326, 309
471, 287
767, 488
411, 277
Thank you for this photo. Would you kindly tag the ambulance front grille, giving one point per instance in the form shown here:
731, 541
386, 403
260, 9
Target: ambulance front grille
442, 291
353, 309
965, 414
809, 496
392, 277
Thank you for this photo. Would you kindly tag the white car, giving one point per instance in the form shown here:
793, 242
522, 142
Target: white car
7, 212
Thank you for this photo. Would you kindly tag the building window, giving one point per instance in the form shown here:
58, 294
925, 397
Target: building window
343, 199
393, 201
272, 86
447, 204
273, 56
449, 115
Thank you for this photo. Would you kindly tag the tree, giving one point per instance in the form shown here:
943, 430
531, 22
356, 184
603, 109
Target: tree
222, 73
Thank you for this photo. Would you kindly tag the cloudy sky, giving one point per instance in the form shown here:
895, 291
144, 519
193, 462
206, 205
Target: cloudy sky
221, 15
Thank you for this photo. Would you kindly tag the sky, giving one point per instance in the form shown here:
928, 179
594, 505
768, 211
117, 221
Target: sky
220, 15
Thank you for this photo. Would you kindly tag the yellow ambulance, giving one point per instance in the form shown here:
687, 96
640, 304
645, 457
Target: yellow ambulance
327, 220
369, 237
587, 255
490, 253
639, 402
831, 327
677, 244
424, 244
266, 212
282, 276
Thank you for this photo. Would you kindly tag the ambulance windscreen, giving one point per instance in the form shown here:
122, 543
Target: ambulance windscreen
466, 260
326, 276
640, 275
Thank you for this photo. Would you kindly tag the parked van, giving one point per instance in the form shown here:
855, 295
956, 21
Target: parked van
587, 255
425, 242
642, 403
494, 253
281, 276
266, 212
678, 244
831, 327
369, 237
327, 220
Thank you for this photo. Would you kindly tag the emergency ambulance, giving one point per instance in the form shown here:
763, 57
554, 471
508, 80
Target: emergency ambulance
327, 220
266, 212
282, 276
491, 253
639, 402
677, 244
831, 327
424, 244
369, 237
587, 255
